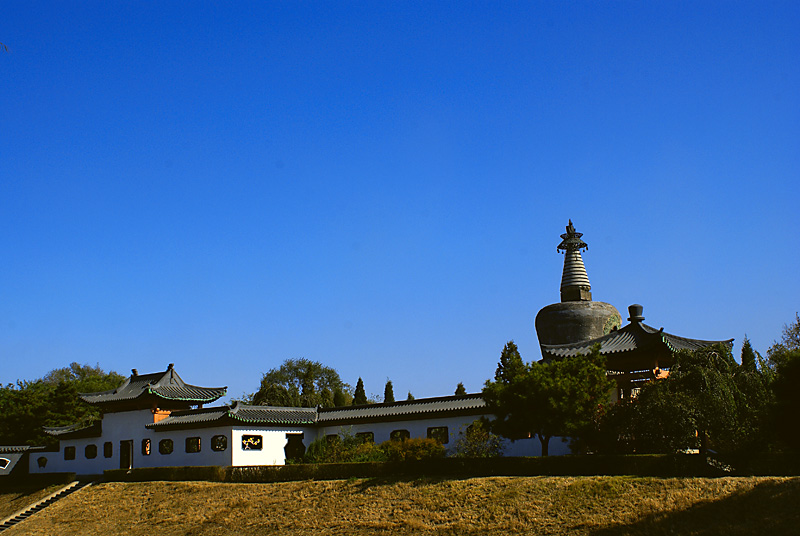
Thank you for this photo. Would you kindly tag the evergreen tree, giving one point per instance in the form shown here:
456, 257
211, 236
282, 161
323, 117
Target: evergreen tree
410, 396
510, 365
388, 392
460, 389
748, 358
360, 396
340, 398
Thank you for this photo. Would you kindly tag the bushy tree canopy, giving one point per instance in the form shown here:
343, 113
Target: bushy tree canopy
27, 406
559, 398
301, 383
708, 400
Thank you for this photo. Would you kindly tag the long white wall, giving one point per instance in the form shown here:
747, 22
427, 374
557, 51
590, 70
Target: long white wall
130, 426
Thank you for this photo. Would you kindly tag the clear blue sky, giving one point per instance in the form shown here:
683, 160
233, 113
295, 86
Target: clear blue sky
380, 186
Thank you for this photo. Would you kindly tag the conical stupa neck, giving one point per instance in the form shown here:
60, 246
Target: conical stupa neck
575, 284
574, 281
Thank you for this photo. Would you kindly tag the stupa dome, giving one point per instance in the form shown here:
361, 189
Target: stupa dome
576, 318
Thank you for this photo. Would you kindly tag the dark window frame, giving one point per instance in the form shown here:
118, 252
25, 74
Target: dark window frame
108, 449
219, 443
166, 446
192, 445
400, 435
366, 437
69, 452
147, 446
90, 451
440, 434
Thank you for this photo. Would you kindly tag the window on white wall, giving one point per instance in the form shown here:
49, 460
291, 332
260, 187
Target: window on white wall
192, 445
108, 449
399, 435
252, 442
439, 433
146, 446
219, 443
90, 451
69, 453
165, 446
366, 437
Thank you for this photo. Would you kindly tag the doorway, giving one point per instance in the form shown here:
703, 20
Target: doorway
126, 454
294, 448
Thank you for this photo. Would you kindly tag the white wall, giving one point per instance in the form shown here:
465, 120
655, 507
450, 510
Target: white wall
416, 428
455, 427
273, 442
130, 425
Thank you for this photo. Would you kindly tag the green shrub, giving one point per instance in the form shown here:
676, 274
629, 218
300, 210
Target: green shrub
413, 449
477, 441
344, 448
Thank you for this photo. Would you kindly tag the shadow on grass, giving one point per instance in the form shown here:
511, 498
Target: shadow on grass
414, 480
769, 508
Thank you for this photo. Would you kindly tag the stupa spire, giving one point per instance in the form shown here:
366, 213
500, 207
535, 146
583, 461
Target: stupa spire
575, 284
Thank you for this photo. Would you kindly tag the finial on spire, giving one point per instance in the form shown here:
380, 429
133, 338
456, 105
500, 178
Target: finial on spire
571, 240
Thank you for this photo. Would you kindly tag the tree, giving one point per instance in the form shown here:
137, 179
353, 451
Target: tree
410, 396
388, 392
360, 396
478, 441
784, 359
748, 358
787, 399
558, 398
27, 406
300, 383
707, 400
510, 365
460, 389
790, 341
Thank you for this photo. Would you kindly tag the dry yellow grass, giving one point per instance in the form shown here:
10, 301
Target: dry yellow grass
13, 501
499, 505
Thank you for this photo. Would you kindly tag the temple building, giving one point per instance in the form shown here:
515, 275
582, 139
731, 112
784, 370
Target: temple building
635, 354
158, 420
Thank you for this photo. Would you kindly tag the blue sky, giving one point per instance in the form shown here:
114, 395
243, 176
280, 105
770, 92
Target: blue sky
380, 186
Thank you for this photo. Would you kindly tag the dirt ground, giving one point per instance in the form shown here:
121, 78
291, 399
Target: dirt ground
500, 505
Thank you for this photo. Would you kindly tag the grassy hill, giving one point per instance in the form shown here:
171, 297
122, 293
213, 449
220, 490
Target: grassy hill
498, 505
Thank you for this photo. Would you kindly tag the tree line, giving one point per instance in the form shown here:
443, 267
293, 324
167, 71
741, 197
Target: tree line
708, 401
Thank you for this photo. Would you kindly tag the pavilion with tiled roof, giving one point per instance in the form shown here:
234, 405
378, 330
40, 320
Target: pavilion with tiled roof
635, 353
164, 390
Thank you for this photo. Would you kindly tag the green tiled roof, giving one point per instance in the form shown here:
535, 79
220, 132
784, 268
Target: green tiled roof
165, 385
237, 414
75, 430
419, 408
635, 335
265, 415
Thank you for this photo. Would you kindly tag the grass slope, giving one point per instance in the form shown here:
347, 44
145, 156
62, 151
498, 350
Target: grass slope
602, 506
15, 499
